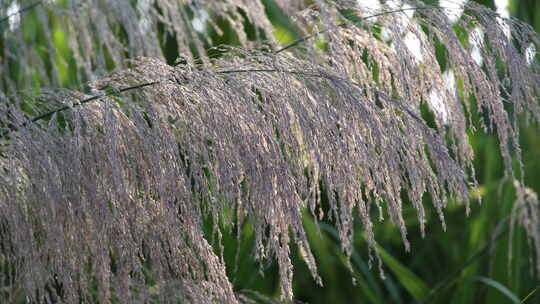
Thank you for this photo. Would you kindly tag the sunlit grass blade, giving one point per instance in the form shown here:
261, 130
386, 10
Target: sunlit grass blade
529, 295
500, 287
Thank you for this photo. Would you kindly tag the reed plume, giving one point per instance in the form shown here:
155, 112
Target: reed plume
368, 110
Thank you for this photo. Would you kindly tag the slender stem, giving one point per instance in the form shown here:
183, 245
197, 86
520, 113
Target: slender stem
378, 93
80, 103
22, 10
304, 39
269, 71
529, 295
93, 98
146, 84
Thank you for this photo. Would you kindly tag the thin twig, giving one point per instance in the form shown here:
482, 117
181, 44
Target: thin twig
22, 10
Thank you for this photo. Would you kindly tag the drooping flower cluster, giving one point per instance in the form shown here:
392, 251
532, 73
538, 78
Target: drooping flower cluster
118, 182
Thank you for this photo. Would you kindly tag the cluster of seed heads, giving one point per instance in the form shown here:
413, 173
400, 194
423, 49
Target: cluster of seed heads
106, 188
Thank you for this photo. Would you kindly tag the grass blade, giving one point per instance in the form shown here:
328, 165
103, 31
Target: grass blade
414, 285
500, 287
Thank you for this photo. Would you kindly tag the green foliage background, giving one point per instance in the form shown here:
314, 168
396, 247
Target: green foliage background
467, 263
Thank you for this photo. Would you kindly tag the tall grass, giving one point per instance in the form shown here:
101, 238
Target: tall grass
157, 181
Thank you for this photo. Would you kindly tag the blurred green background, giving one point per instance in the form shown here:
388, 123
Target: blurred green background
467, 263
